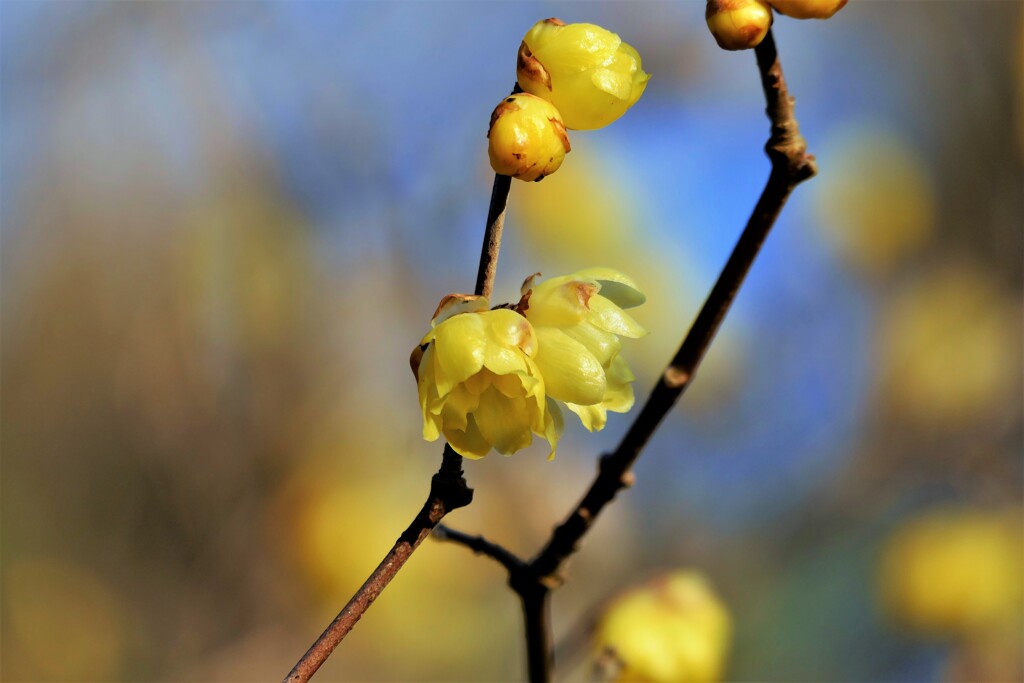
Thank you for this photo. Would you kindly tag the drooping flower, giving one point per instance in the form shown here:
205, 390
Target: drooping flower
808, 9
584, 70
526, 139
672, 628
738, 24
578, 320
478, 381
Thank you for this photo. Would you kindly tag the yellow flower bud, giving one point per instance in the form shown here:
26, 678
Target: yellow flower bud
478, 382
578, 319
584, 70
808, 9
526, 139
954, 572
738, 24
673, 628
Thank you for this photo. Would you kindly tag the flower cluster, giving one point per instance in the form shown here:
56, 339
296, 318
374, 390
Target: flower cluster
743, 24
575, 76
492, 378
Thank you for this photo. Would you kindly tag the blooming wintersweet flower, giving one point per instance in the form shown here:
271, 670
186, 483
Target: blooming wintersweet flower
578, 320
584, 70
526, 138
478, 382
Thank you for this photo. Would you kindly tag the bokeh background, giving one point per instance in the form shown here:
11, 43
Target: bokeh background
225, 225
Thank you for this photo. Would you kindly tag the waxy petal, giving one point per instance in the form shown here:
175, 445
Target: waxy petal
503, 422
593, 418
607, 316
571, 373
604, 345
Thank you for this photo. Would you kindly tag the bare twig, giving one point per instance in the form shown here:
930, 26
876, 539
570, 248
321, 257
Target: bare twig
481, 546
448, 491
492, 237
448, 488
791, 165
534, 596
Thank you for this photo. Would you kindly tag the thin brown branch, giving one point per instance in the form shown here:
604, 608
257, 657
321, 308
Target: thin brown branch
791, 165
448, 488
481, 546
448, 491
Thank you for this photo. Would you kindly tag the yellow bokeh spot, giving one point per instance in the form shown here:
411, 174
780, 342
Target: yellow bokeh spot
949, 346
673, 628
65, 623
335, 529
954, 572
876, 204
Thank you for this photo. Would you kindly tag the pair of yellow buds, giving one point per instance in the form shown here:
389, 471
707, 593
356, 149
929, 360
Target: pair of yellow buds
491, 378
574, 76
743, 24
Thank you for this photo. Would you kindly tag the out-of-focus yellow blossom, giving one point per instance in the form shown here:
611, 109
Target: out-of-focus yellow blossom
673, 628
526, 139
808, 9
578, 320
949, 349
738, 24
877, 204
953, 572
584, 70
63, 623
478, 381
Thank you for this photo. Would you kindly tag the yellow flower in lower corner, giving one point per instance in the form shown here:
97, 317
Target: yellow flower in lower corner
578, 320
478, 381
672, 628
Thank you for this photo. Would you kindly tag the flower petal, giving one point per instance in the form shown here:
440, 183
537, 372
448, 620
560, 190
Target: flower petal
560, 301
469, 443
607, 316
554, 425
604, 345
511, 330
459, 347
615, 286
457, 406
619, 396
592, 417
504, 422
454, 304
571, 373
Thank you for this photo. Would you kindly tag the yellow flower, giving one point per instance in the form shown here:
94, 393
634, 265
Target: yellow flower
953, 572
808, 9
578, 319
673, 628
478, 382
584, 70
526, 139
738, 24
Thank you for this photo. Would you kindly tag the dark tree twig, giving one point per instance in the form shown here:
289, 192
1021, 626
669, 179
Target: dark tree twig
448, 488
791, 165
481, 546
